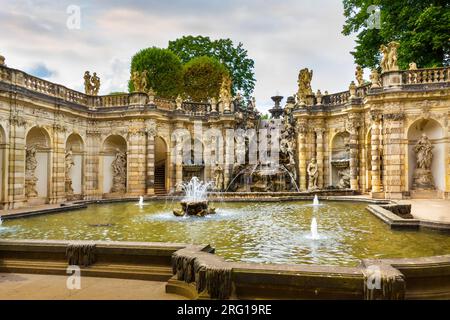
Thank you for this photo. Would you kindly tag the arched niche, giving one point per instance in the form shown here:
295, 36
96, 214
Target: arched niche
112, 147
193, 159
37, 165
75, 164
161, 166
434, 131
340, 157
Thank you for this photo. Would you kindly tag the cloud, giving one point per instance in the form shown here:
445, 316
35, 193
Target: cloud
282, 37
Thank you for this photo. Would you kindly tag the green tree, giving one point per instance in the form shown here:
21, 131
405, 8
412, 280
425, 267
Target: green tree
235, 58
164, 71
202, 78
420, 26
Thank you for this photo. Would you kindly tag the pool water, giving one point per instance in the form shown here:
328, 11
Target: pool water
261, 232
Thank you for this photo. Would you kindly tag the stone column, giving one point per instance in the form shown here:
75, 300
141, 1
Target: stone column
320, 156
58, 172
178, 160
136, 159
352, 127
394, 157
302, 132
375, 152
150, 177
16, 163
93, 165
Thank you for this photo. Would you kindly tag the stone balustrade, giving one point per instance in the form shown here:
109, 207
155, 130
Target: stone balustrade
426, 76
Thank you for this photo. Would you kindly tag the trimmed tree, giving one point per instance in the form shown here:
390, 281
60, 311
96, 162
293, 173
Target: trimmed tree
202, 78
164, 69
235, 58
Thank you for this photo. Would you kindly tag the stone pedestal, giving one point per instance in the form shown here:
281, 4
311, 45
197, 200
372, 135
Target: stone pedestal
392, 79
138, 99
423, 180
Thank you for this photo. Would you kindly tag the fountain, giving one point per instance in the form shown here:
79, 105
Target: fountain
141, 201
314, 231
316, 201
1, 221
195, 201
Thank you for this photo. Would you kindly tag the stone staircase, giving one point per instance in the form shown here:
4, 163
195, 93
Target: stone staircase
160, 187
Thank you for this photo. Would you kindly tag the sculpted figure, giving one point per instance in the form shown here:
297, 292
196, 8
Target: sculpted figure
69, 164
304, 84
30, 172
313, 174
393, 48
423, 150
359, 73
139, 80
412, 66
375, 78
95, 84
119, 166
225, 93
344, 178
218, 177
385, 59
87, 83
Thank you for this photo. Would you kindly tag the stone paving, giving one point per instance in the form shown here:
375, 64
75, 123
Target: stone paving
15, 286
430, 210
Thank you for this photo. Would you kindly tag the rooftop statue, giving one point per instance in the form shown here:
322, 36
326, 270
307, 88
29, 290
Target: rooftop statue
139, 80
91, 83
2, 60
359, 73
225, 93
389, 59
304, 84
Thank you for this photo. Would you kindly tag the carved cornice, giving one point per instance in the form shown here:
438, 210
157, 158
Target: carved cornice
398, 116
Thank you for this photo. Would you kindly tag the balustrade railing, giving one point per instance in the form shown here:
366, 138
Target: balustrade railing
426, 76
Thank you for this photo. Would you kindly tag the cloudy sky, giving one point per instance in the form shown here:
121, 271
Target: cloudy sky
282, 36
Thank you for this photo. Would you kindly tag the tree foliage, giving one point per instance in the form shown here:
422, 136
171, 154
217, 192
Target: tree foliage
202, 78
164, 71
235, 58
420, 26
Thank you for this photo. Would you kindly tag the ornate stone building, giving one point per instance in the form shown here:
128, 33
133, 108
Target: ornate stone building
57, 144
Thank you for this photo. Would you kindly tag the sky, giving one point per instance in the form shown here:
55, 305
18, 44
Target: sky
281, 36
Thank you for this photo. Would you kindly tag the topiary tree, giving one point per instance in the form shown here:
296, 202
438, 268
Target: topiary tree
234, 57
202, 78
164, 69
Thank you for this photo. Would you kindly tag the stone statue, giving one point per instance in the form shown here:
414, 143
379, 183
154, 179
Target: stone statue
413, 66
139, 80
2, 60
313, 174
389, 59
119, 166
30, 172
359, 73
304, 84
225, 93
69, 162
95, 84
344, 178
218, 177
375, 78
422, 177
87, 83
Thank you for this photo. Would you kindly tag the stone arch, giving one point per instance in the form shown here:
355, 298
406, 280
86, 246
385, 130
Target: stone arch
193, 159
339, 156
74, 166
37, 165
114, 148
161, 165
3, 166
434, 130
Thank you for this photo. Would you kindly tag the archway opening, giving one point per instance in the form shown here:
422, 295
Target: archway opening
193, 160
114, 165
161, 166
433, 131
74, 166
37, 166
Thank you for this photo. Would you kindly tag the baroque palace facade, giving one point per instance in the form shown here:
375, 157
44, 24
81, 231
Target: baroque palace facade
57, 144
